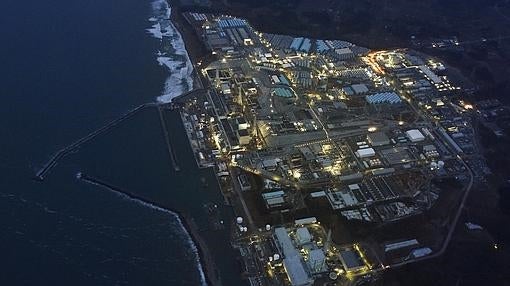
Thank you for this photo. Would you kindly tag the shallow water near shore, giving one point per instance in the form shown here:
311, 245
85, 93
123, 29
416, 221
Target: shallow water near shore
68, 68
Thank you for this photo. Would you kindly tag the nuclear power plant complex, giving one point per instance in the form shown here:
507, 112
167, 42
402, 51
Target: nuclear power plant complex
340, 162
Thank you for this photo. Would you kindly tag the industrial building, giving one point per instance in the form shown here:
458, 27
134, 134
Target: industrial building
274, 199
351, 260
293, 261
315, 115
284, 92
377, 139
414, 135
303, 235
385, 97
244, 137
316, 261
365, 153
359, 88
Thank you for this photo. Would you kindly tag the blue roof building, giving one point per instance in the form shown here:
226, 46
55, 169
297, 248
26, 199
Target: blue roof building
384, 97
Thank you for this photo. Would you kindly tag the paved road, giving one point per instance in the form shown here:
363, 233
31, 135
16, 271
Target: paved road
447, 240
237, 189
453, 225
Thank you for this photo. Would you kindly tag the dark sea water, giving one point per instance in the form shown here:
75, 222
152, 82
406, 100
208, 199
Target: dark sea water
66, 69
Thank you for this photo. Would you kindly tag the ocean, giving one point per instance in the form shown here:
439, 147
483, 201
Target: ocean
68, 68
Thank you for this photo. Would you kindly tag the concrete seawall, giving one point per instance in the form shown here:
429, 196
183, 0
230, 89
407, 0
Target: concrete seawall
75, 145
210, 270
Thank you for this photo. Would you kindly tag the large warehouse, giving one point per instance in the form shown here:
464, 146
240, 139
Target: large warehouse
414, 135
365, 153
378, 139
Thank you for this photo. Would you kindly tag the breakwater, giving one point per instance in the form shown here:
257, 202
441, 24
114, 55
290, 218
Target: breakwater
52, 162
171, 153
210, 272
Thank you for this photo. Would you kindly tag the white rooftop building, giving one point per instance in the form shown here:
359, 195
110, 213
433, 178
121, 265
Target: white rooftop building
303, 235
306, 220
420, 252
414, 135
284, 241
365, 153
296, 272
293, 261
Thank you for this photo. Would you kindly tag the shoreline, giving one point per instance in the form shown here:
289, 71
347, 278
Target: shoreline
196, 51
206, 264
195, 48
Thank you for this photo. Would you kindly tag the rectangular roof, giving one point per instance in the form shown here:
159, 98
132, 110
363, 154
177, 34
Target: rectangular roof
415, 135
350, 259
307, 220
430, 74
295, 271
284, 241
303, 235
359, 88
378, 138
383, 97
400, 244
367, 152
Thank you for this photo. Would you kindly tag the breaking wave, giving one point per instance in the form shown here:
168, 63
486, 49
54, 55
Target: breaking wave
173, 56
172, 52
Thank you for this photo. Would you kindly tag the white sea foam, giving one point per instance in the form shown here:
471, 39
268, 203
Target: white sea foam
174, 57
155, 31
179, 80
173, 54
